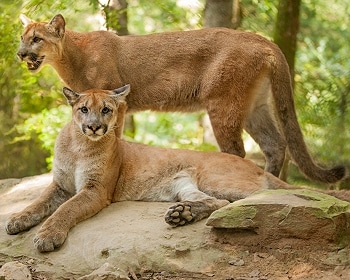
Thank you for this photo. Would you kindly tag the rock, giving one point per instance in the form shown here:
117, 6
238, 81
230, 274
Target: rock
236, 262
254, 273
133, 237
128, 235
15, 271
338, 258
106, 272
287, 213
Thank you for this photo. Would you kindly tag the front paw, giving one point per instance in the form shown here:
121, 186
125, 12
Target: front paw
48, 239
20, 222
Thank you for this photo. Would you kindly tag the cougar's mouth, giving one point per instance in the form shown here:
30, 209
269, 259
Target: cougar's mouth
94, 136
34, 64
33, 61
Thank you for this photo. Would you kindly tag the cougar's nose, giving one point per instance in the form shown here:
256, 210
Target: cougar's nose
21, 55
94, 128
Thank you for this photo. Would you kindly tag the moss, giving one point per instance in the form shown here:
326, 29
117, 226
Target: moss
234, 217
330, 205
343, 238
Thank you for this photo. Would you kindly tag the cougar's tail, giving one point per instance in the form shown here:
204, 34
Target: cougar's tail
284, 101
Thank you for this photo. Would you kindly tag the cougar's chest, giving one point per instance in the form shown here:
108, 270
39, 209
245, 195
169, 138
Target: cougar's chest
79, 165
90, 167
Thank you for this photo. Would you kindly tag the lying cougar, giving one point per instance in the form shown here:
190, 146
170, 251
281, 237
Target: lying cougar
93, 167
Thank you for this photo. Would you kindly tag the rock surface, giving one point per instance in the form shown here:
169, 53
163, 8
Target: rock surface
300, 213
130, 240
15, 270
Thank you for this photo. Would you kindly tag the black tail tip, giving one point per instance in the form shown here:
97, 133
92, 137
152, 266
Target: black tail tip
336, 174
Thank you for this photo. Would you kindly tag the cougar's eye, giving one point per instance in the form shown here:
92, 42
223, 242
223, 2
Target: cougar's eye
84, 110
105, 110
36, 39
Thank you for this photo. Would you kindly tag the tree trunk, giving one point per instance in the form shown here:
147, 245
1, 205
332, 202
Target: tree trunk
116, 16
285, 36
286, 30
222, 13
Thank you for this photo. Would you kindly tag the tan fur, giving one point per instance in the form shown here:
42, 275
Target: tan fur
241, 79
93, 167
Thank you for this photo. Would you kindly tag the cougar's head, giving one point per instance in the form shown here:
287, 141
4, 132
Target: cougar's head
95, 111
40, 41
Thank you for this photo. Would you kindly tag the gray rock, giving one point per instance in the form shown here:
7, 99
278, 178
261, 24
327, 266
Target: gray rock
128, 235
133, 237
287, 213
15, 271
106, 272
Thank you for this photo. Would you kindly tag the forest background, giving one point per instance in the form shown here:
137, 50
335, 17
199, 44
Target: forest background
33, 110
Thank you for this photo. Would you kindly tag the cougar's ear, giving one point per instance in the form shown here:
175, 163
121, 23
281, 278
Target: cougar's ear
58, 25
70, 95
25, 20
121, 93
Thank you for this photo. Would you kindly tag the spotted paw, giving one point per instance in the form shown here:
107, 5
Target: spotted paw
179, 215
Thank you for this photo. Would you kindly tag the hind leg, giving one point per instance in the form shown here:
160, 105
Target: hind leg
194, 205
263, 129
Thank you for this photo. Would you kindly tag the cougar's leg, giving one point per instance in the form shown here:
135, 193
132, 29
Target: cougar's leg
89, 201
264, 130
52, 197
194, 204
227, 126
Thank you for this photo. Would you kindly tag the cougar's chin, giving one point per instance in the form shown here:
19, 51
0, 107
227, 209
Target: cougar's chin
94, 137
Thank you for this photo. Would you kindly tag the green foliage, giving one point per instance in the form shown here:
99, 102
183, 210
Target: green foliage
322, 79
173, 130
19, 98
79, 13
46, 125
259, 16
157, 16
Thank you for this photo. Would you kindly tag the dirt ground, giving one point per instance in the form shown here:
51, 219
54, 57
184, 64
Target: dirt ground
279, 261
252, 258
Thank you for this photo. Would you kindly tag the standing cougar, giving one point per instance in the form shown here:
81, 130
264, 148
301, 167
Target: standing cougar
241, 79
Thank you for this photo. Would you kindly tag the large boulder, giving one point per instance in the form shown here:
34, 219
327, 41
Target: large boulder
296, 213
130, 240
126, 235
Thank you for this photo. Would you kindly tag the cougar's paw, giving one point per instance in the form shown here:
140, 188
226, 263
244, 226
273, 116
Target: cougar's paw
48, 239
179, 215
20, 222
